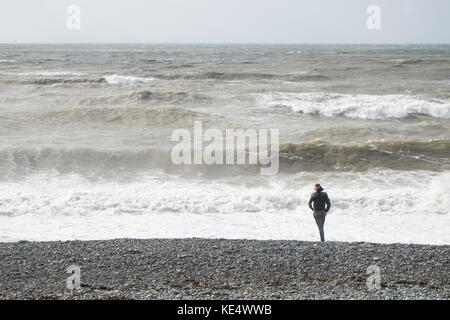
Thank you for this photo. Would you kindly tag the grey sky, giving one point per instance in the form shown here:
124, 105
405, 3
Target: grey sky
209, 21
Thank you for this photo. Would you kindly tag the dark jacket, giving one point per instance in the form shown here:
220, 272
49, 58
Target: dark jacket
319, 201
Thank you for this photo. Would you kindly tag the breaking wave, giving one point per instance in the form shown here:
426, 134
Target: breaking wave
212, 75
51, 81
313, 156
359, 105
73, 196
48, 78
126, 80
398, 155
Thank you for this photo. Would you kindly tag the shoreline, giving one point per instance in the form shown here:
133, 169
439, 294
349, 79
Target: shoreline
195, 268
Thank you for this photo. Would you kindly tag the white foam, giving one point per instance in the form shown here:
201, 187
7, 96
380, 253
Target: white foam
383, 206
359, 105
126, 80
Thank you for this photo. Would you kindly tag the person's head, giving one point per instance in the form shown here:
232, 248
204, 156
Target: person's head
318, 187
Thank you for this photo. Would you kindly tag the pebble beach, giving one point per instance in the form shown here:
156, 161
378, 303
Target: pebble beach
222, 269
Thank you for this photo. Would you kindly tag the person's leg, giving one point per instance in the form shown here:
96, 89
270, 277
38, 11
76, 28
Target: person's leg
322, 232
319, 216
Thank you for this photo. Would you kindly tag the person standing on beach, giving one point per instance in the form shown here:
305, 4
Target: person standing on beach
320, 204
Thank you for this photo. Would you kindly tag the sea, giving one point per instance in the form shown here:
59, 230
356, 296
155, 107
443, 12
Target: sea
85, 141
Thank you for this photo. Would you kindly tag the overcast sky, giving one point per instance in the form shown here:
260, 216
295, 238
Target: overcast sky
225, 21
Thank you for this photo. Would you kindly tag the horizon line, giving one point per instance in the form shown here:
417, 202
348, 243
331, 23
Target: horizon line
235, 43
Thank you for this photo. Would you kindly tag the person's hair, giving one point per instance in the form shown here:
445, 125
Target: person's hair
318, 187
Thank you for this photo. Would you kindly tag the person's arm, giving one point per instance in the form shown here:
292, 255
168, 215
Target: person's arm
310, 202
328, 202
